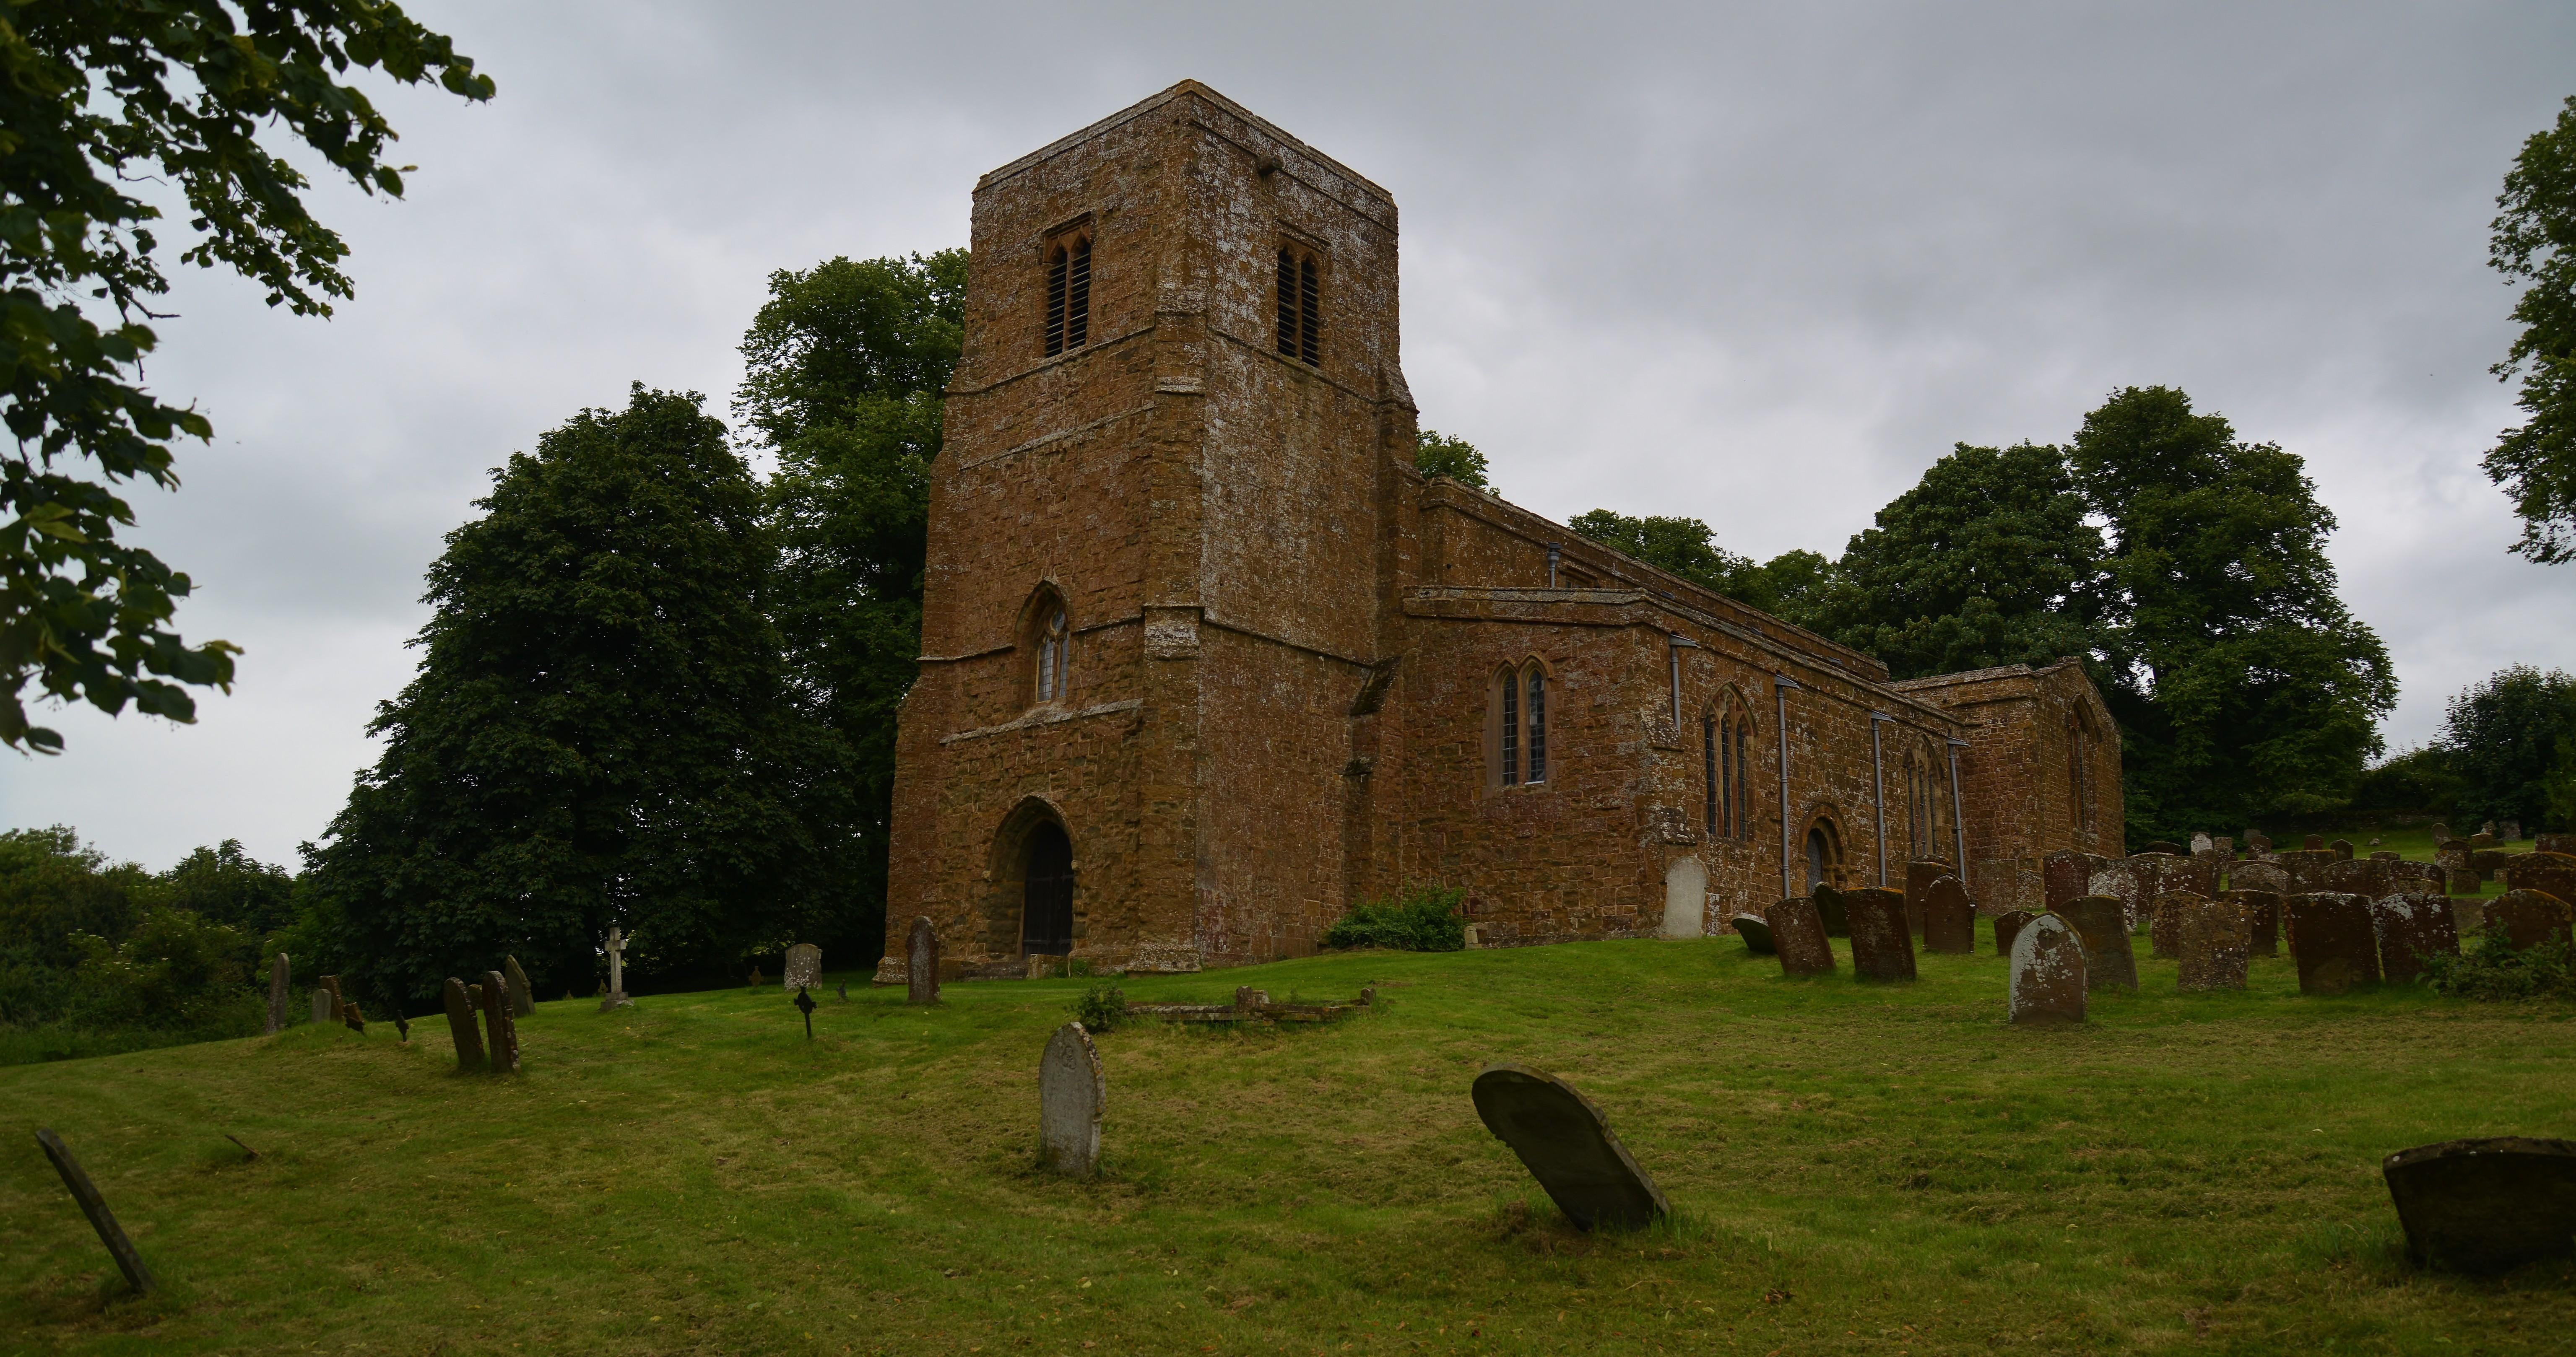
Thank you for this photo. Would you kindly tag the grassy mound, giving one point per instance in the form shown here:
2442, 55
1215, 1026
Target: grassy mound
1857, 1168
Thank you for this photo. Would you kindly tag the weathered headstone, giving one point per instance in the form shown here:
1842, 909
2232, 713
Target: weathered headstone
1833, 910
2064, 875
1567, 1145
277, 973
2333, 941
2129, 880
1756, 932
2555, 843
2258, 876
921, 963
2487, 827
523, 999
2411, 928
460, 1026
2262, 920
1799, 937
2342, 849
2256, 842
1949, 917
1881, 948
2313, 842
2164, 921
2509, 831
2009, 923
1071, 1093
2485, 1206
2379, 854
2553, 873
352, 1018
2202, 843
2101, 925
2212, 939
2164, 846
2482, 839
804, 967
2529, 918
325, 1008
614, 996
2441, 830
1919, 876
499, 1032
2463, 881
76, 1180
2047, 981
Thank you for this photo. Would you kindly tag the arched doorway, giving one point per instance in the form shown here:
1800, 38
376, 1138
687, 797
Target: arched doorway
1685, 899
1046, 912
1824, 855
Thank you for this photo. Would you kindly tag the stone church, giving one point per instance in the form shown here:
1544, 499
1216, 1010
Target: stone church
1205, 660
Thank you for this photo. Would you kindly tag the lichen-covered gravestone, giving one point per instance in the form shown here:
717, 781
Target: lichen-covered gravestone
2007, 925
1071, 1094
500, 1033
460, 1027
1949, 917
1833, 910
2485, 1206
921, 963
1799, 937
2412, 927
1882, 949
2164, 921
2101, 925
1919, 876
2047, 980
804, 967
1567, 1145
2333, 941
523, 998
1756, 932
2262, 920
2529, 918
2128, 880
2552, 873
2212, 939
277, 973
2063, 875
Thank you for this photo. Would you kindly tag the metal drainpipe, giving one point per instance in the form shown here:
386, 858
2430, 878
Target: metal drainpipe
1554, 551
1958, 818
1780, 686
1878, 792
1678, 644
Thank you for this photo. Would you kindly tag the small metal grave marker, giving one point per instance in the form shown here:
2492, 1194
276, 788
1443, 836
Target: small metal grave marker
94, 1206
805, 1005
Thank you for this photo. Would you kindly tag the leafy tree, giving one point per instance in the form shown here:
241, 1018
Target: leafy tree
1682, 546
175, 971
2242, 685
2534, 242
845, 366
2418, 781
230, 887
52, 889
2504, 738
599, 733
1988, 560
1437, 454
93, 96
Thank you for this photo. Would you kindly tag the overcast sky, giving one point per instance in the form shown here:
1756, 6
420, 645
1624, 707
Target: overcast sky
1757, 265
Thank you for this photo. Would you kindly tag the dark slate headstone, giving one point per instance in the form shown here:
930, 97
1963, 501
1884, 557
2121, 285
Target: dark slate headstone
1756, 932
2342, 849
2164, 921
2552, 873
1072, 1092
2047, 981
2485, 1206
1799, 936
2313, 842
277, 973
1949, 917
2333, 941
1565, 1143
1919, 876
499, 1032
1833, 910
2064, 875
2262, 920
2212, 939
2009, 923
2411, 928
1881, 948
2101, 924
2529, 917
921, 963
523, 999
460, 1026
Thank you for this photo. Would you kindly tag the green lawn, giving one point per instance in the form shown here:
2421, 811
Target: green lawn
1856, 1169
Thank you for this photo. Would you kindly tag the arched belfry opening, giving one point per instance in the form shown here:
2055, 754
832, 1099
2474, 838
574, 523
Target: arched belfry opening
1046, 892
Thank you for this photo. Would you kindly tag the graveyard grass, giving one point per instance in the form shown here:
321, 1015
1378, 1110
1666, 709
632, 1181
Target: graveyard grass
1855, 1169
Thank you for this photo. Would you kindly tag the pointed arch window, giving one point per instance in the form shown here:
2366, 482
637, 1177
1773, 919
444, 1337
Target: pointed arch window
1068, 291
1053, 635
1516, 741
1725, 737
1301, 305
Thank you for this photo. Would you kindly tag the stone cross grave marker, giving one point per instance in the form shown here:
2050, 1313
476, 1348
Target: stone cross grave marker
2212, 938
1756, 932
804, 967
2529, 917
2007, 925
76, 1181
1882, 949
1071, 1093
1949, 917
921, 963
2412, 926
2485, 1206
2262, 920
2333, 942
277, 974
2164, 921
1798, 934
616, 995
2101, 925
460, 1027
523, 999
2048, 978
499, 1032
1567, 1145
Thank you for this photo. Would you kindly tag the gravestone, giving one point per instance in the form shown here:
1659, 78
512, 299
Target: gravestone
804, 967
277, 972
2385, 854
2048, 981
2482, 840
2487, 827
2164, 922
2463, 881
2063, 875
2509, 831
499, 1032
2257, 843
460, 1026
2529, 918
2202, 843
2258, 876
2342, 849
921, 963
2313, 842
2411, 928
325, 1010
85, 1195
1833, 910
1071, 1094
2555, 843
1881, 948
2166, 847
1919, 876
2101, 924
2262, 920
2333, 941
2485, 1206
614, 995
2129, 880
523, 999
2552, 873
1949, 917
2441, 830
2212, 939
1567, 1145
2009, 923
352, 1018
1756, 932
1798, 935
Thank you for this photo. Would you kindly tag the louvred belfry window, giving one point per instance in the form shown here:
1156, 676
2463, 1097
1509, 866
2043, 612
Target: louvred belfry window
1068, 305
1301, 306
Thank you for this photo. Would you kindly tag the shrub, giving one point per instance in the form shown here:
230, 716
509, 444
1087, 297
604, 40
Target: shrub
1419, 919
2493, 968
1100, 1008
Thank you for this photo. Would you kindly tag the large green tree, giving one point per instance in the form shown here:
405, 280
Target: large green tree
845, 365
1687, 547
2534, 243
2508, 740
97, 96
2242, 685
600, 732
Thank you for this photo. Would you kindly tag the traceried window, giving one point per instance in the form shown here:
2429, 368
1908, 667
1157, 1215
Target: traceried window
1729, 807
1709, 761
1052, 636
1516, 717
1068, 296
1537, 681
1301, 306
